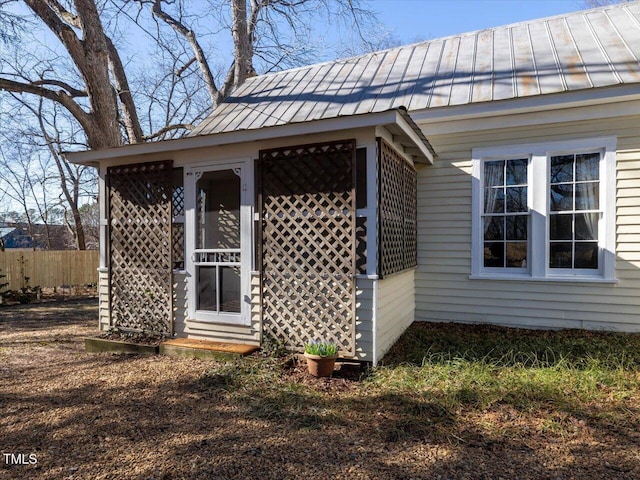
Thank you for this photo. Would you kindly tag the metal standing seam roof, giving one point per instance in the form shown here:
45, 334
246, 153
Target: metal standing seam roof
581, 50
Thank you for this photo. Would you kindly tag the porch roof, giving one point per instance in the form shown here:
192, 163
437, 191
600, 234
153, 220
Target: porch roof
406, 134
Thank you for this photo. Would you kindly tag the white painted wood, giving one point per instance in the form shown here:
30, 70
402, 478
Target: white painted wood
395, 309
103, 221
245, 171
365, 317
372, 211
104, 316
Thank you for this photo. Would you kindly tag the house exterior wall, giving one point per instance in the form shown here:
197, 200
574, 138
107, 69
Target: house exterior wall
444, 290
396, 309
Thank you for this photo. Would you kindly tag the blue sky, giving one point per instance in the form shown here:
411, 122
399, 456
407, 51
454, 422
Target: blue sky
415, 20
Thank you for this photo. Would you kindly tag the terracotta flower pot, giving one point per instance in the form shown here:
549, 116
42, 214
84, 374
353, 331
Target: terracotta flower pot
320, 366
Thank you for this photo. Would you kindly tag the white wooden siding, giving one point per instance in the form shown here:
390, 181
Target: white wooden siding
444, 292
364, 319
180, 301
396, 300
104, 316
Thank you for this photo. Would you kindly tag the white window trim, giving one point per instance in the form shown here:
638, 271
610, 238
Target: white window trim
539, 155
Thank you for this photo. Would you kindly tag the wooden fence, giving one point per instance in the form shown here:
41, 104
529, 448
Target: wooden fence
49, 268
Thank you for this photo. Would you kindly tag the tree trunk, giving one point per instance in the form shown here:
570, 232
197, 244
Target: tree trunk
242, 45
94, 66
91, 56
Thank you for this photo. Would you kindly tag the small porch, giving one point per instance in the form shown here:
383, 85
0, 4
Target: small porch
283, 243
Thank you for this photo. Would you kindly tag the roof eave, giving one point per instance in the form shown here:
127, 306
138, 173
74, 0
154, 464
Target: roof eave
532, 104
408, 133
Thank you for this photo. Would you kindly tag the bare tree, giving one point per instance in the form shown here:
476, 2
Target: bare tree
90, 214
98, 93
36, 174
71, 178
15, 178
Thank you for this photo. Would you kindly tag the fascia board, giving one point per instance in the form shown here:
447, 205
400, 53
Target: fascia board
187, 143
540, 104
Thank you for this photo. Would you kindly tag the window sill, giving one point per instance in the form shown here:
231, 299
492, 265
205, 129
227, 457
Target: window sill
523, 278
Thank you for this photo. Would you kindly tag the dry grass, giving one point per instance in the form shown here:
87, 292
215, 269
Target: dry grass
437, 409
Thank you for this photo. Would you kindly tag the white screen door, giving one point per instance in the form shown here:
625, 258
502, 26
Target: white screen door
219, 264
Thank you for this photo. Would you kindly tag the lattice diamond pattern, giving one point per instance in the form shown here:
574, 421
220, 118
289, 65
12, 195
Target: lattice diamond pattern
140, 246
308, 254
398, 213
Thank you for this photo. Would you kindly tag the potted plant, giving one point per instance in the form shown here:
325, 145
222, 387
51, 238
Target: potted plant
321, 358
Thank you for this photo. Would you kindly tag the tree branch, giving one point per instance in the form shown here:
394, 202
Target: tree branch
60, 97
190, 36
169, 128
130, 114
73, 92
62, 30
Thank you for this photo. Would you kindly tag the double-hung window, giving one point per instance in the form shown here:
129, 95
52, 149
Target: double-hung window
545, 211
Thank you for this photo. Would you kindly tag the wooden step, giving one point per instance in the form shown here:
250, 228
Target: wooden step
204, 349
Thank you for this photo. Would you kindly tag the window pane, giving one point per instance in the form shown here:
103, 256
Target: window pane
230, 289
494, 173
517, 254
562, 169
586, 255
517, 172
516, 227
561, 227
561, 197
587, 196
587, 167
207, 288
560, 255
494, 228
218, 195
494, 254
516, 199
493, 200
587, 226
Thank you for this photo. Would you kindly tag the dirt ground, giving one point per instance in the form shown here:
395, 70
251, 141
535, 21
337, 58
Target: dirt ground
65, 414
